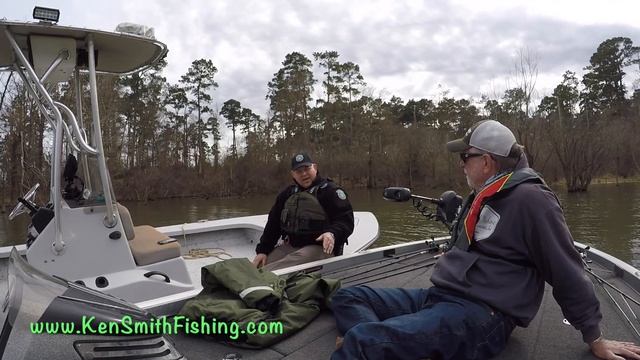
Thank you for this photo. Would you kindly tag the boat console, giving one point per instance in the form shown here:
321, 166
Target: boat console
84, 235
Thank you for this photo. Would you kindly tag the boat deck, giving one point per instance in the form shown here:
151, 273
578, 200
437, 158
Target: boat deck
547, 337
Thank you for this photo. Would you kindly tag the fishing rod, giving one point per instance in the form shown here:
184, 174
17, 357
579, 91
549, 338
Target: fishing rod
447, 207
587, 268
605, 282
388, 275
624, 296
391, 262
602, 282
430, 244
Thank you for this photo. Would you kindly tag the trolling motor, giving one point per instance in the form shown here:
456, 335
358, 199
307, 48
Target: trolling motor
448, 204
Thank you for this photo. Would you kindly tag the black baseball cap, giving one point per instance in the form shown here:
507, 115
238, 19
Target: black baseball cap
300, 159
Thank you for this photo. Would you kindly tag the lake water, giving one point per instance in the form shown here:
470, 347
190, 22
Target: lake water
607, 217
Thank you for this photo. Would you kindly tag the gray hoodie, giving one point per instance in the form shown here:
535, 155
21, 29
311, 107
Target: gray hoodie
520, 241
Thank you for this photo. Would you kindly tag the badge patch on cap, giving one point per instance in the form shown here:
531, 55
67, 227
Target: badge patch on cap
299, 157
341, 194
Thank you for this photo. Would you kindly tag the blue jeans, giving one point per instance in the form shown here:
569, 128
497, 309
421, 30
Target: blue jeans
416, 324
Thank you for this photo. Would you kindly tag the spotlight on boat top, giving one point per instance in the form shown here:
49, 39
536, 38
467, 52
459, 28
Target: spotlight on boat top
46, 14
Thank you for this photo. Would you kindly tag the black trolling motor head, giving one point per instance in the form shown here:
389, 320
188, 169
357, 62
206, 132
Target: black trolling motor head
448, 207
448, 204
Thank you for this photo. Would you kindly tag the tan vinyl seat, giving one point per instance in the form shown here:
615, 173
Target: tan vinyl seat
147, 244
127, 223
147, 248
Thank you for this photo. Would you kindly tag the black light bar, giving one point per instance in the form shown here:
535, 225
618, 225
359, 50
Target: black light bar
46, 14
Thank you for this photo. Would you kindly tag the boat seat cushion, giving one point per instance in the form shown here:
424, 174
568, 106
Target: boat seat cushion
127, 223
146, 249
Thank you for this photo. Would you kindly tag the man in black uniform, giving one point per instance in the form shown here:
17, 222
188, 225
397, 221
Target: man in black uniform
313, 216
509, 238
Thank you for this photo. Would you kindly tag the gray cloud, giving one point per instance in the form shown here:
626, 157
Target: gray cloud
421, 43
407, 48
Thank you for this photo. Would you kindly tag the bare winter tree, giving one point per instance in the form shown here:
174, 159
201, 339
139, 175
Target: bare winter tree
517, 103
526, 74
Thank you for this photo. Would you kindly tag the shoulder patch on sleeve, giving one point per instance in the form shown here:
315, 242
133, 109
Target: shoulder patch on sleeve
341, 194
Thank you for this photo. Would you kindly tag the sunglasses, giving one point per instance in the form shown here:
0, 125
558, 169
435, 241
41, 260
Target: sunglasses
466, 156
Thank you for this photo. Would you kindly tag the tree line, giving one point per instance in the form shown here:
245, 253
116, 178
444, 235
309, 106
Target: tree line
163, 140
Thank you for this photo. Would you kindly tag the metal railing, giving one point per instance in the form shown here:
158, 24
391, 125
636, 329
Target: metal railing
53, 111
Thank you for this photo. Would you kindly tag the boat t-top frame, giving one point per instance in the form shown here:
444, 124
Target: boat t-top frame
83, 234
44, 52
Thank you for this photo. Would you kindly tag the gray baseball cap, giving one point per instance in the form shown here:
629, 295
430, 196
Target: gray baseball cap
487, 135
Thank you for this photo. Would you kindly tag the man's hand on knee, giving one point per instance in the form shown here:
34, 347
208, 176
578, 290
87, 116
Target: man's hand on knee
260, 260
328, 242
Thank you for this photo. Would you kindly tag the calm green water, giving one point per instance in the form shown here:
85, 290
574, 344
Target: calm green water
607, 217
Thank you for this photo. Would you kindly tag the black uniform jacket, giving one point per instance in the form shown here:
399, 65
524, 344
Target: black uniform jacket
338, 210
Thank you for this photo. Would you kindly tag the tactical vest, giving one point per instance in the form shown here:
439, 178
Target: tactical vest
464, 227
302, 214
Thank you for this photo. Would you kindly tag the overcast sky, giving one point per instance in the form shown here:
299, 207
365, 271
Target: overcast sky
412, 49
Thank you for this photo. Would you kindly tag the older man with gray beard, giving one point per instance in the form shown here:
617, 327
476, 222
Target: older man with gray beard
509, 238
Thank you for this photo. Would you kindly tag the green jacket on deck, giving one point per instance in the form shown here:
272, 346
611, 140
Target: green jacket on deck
235, 292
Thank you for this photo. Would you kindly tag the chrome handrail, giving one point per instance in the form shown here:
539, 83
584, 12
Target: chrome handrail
44, 110
76, 130
83, 157
58, 244
111, 219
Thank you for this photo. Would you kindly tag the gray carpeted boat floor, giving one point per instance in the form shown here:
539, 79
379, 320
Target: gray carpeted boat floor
547, 337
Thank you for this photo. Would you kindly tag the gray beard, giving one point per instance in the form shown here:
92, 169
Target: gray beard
469, 183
